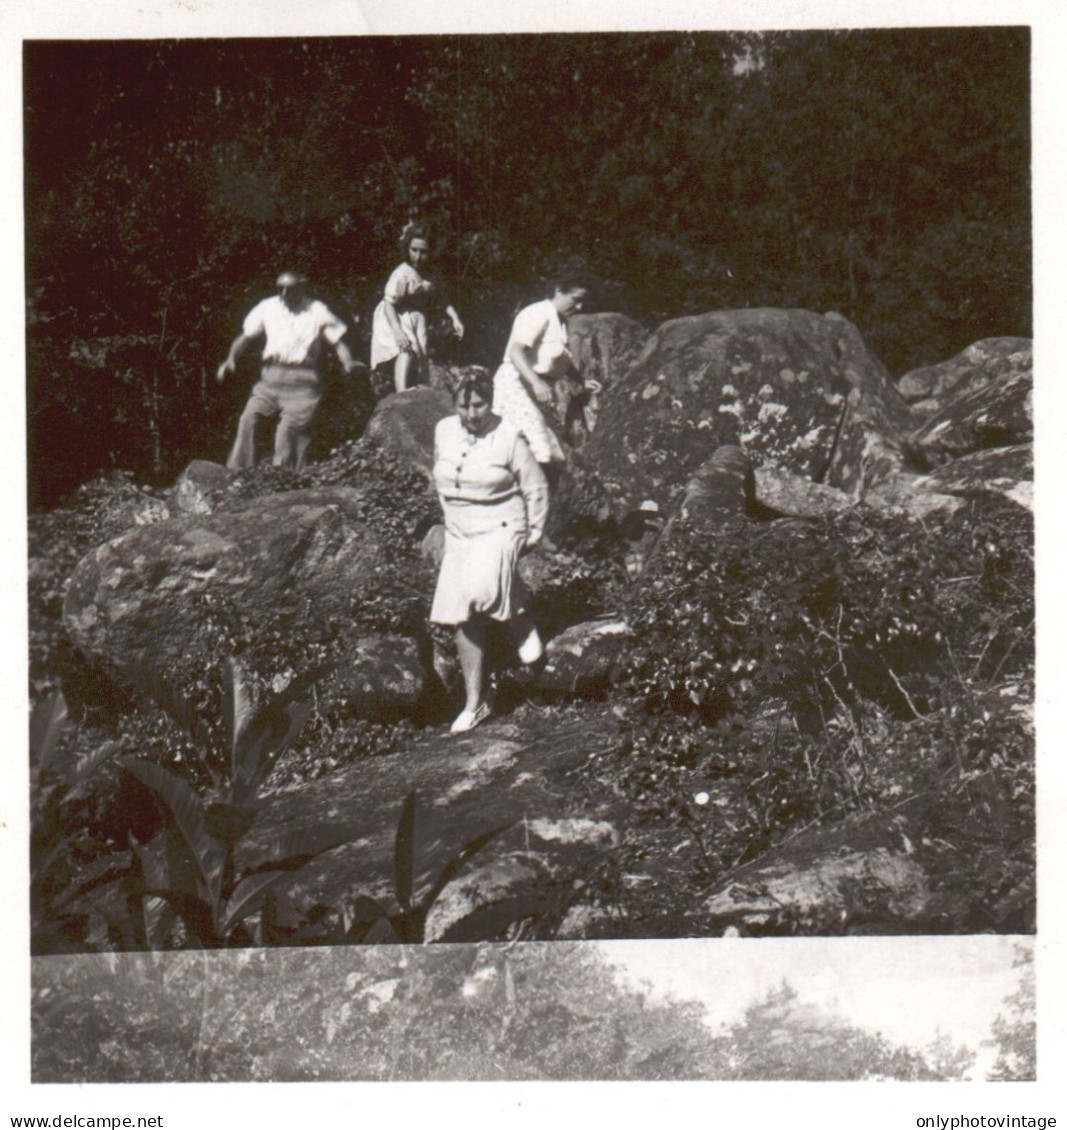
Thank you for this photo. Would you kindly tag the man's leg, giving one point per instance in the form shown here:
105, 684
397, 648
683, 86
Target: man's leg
293, 436
260, 404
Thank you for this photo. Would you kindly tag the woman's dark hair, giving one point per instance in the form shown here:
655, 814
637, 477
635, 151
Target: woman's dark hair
473, 379
413, 229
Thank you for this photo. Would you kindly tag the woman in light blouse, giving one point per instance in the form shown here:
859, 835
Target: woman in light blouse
400, 328
536, 355
495, 501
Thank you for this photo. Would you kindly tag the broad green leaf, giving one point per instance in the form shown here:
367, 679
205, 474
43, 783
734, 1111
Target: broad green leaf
150, 682
188, 812
47, 722
293, 850
451, 869
404, 851
236, 707
195, 913
157, 914
88, 765
105, 874
265, 735
248, 897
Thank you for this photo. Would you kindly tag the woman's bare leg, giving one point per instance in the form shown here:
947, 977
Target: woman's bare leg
470, 643
402, 372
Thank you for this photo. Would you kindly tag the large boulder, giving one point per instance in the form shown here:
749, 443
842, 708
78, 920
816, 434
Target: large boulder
176, 595
865, 875
604, 347
200, 485
503, 775
585, 659
991, 414
1004, 471
721, 489
404, 423
784, 493
787, 386
985, 362
382, 676
875, 422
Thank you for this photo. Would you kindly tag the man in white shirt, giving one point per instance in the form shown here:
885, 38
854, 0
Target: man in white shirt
293, 328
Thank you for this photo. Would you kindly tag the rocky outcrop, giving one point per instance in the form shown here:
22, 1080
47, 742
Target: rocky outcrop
404, 423
1004, 471
875, 421
200, 486
504, 774
722, 488
171, 595
382, 677
993, 414
787, 494
986, 362
604, 347
787, 386
865, 876
584, 659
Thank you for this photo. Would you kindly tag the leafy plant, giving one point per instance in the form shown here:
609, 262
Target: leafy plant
69, 874
189, 870
367, 920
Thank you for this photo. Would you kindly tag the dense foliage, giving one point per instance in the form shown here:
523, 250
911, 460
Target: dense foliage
783, 677
884, 174
794, 676
1015, 1029
456, 1012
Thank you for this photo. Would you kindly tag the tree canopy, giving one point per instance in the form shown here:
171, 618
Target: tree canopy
884, 174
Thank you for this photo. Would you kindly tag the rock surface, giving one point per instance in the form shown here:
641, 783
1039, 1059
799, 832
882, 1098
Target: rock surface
604, 347
503, 773
584, 658
861, 877
985, 362
199, 486
724, 487
787, 386
1005, 471
404, 423
788, 494
993, 414
145, 598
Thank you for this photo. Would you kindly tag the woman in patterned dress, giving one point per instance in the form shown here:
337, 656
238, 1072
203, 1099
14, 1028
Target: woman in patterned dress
537, 354
495, 501
399, 329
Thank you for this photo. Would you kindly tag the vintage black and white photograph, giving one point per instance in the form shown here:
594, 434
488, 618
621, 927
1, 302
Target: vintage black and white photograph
530, 553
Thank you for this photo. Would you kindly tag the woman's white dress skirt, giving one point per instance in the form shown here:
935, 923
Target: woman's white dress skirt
408, 292
495, 502
541, 331
479, 567
517, 406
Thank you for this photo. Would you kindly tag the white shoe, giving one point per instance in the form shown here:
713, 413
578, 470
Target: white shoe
468, 719
531, 649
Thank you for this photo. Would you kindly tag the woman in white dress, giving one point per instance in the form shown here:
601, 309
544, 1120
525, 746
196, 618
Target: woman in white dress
399, 329
535, 356
495, 501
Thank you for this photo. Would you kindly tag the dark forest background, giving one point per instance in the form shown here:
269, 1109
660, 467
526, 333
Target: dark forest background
883, 174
